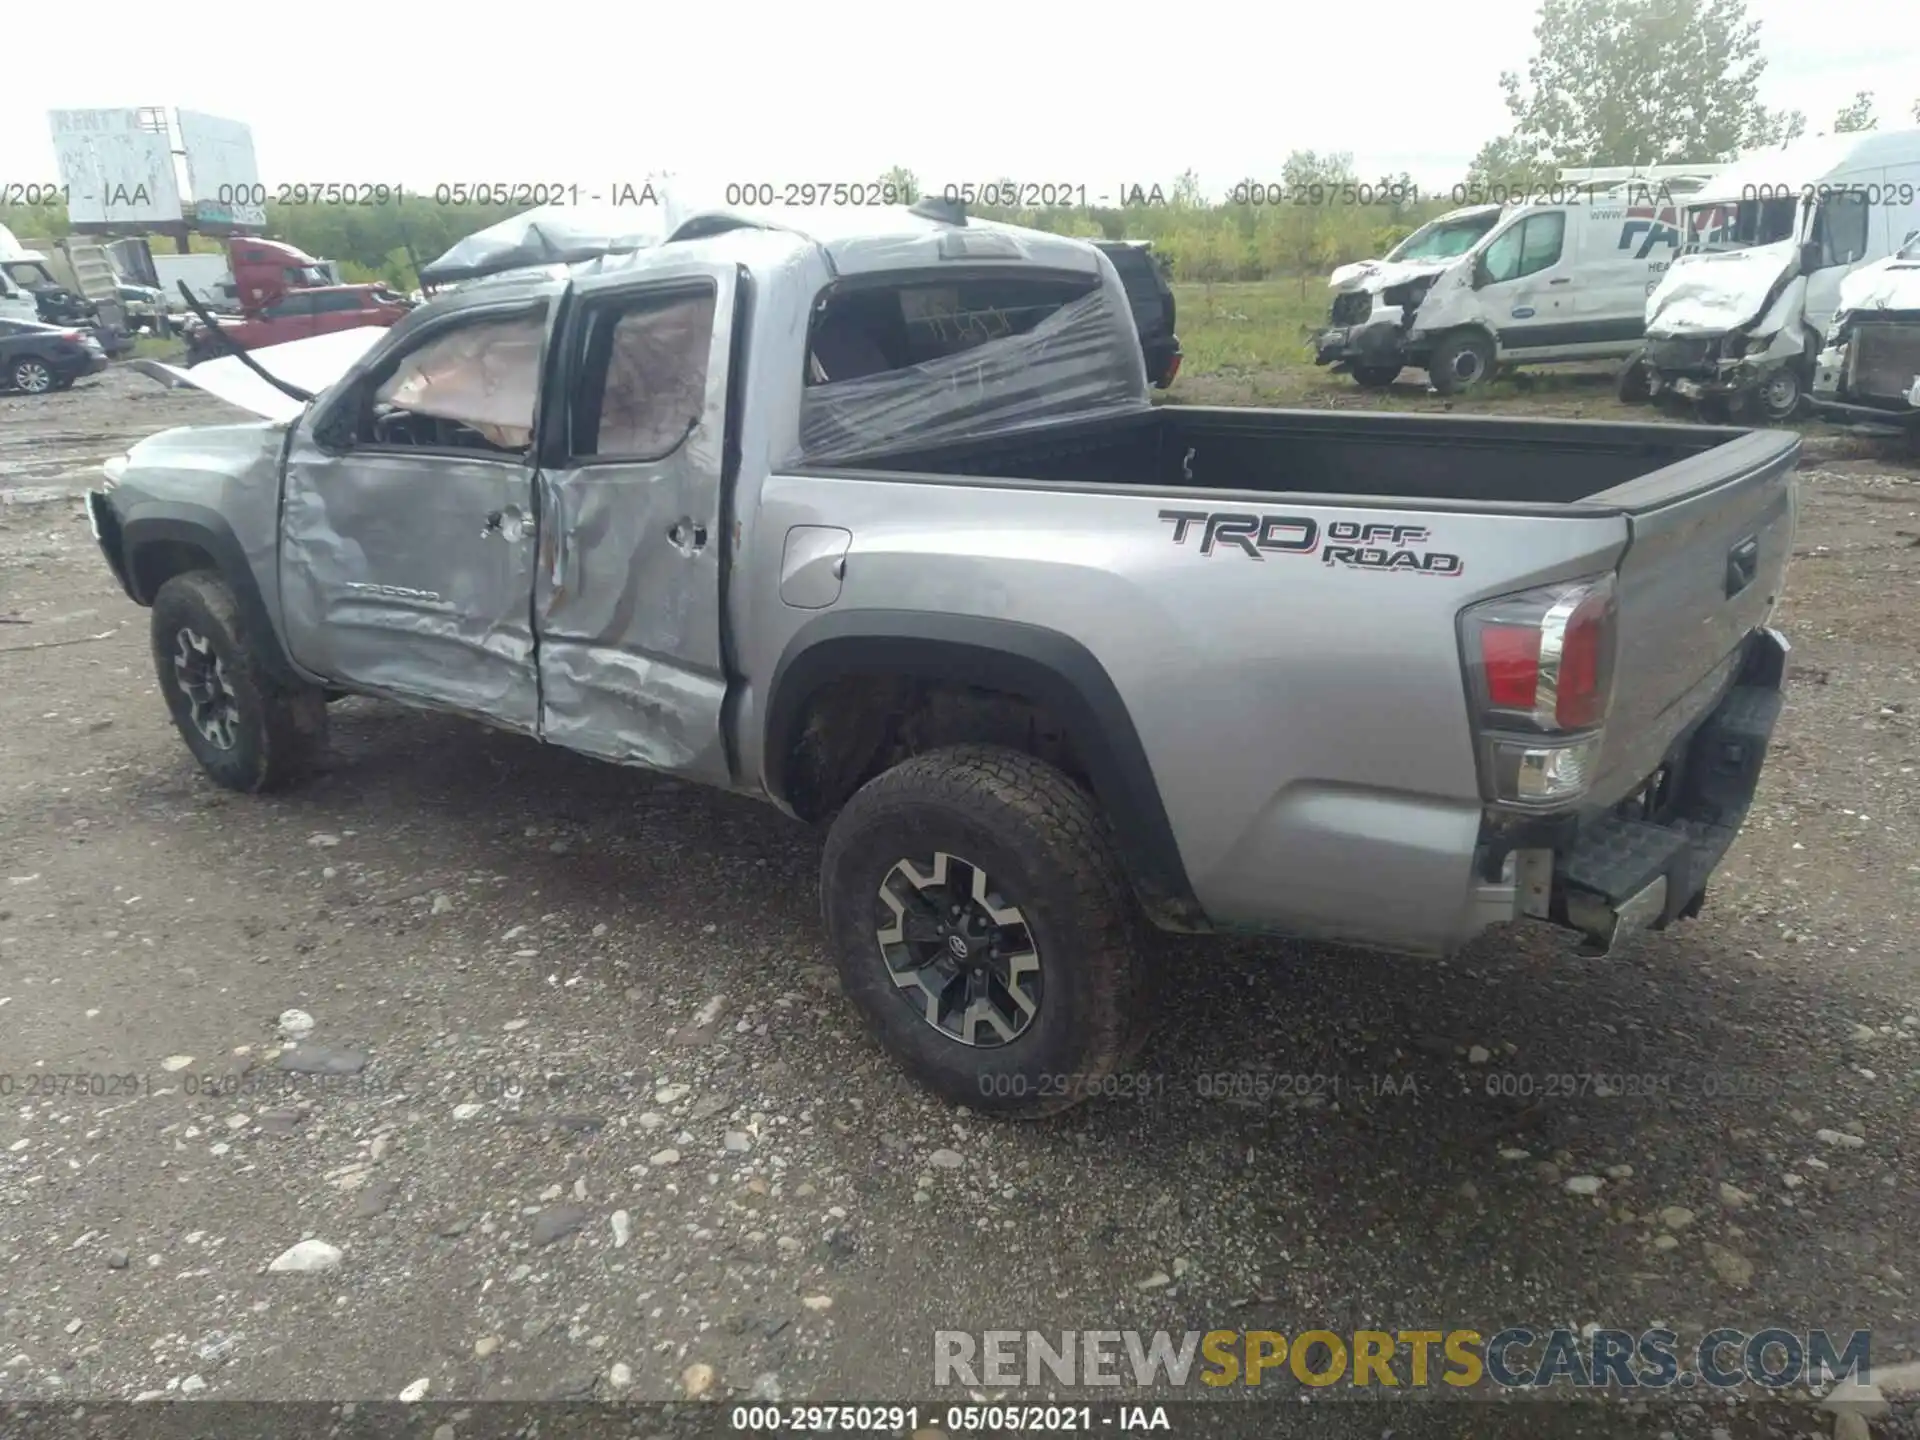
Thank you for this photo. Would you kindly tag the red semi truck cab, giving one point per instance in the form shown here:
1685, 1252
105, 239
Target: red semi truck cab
285, 295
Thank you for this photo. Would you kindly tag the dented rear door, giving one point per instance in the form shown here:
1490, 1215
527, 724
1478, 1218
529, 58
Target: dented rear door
627, 597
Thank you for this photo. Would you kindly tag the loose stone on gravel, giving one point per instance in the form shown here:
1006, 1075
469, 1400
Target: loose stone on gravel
416, 1391
307, 1257
946, 1159
1676, 1217
697, 1380
557, 1222
622, 1225
296, 1024
375, 1199
1732, 1267
1584, 1184
1839, 1139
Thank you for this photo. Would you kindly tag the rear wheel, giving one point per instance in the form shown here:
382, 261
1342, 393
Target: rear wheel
984, 928
1462, 361
33, 376
1375, 377
249, 730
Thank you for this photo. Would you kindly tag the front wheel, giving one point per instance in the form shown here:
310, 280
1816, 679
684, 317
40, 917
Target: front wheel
1780, 395
250, 730
1634, 384
985, 930
1463, 360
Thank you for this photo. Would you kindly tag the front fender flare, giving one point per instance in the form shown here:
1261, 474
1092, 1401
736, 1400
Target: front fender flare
180, 522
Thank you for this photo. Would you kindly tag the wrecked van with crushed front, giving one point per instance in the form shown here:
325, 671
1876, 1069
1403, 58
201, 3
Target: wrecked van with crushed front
1869, 371
1739, 318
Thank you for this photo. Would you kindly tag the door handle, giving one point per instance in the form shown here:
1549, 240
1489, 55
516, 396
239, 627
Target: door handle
1743, 563
510, 523
687, 536
1563, 280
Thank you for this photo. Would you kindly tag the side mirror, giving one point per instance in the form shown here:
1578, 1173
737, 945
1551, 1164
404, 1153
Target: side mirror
1482, 276
1811, 257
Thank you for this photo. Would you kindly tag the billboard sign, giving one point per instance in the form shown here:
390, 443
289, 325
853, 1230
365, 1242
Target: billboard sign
117, 170
221, 171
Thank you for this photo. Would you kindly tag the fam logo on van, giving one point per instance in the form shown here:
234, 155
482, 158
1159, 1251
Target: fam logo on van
1648, 226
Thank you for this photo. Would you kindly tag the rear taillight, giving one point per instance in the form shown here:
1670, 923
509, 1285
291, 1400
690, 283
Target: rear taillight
1540, 675
74, 335
1173, 370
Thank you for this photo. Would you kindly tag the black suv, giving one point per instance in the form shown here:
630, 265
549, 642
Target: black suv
1152, 300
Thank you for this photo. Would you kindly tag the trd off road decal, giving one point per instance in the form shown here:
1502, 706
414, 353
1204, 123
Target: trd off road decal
1374, 545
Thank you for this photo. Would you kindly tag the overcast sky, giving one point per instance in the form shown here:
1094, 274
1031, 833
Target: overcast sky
1093, 95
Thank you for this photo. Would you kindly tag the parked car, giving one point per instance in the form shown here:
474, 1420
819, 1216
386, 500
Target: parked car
877, 522
1869, 370
1492, 285
1739, 318
1152, 300
36, 358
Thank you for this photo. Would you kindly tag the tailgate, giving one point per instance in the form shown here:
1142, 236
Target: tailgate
1705, 561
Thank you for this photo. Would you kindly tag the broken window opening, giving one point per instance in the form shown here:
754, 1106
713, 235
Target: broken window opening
641, 386
471, 388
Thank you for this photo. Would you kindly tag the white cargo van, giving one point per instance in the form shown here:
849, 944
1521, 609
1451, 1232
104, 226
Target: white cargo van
1509, 285
1741, 314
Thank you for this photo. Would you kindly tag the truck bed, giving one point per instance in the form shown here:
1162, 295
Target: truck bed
1407, 458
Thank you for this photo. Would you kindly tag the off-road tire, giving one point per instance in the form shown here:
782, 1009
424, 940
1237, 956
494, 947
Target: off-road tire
1462, 361
1041, 838
279, 726
1374, 377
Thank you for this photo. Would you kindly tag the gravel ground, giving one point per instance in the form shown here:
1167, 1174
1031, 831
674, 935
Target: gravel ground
593, 1121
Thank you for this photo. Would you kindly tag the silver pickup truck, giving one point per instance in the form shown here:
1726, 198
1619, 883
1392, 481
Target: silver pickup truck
872, 519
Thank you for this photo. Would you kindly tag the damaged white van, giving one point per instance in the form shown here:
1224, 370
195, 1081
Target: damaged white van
1739, 318
1495, 285
1869, 371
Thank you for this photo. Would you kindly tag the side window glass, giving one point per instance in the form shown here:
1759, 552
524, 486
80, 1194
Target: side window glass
290, 305
1541, 241
642, 382
1502, 257
1843, 220
470, 388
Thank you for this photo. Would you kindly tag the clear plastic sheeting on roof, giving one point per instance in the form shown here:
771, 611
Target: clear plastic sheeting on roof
482, 376
1082, 360
551, 235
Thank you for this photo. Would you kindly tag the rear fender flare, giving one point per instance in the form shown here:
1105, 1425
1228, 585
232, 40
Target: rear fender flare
1040, 664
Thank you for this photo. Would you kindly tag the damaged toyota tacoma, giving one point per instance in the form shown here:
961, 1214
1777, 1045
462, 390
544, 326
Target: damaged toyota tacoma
871, 517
